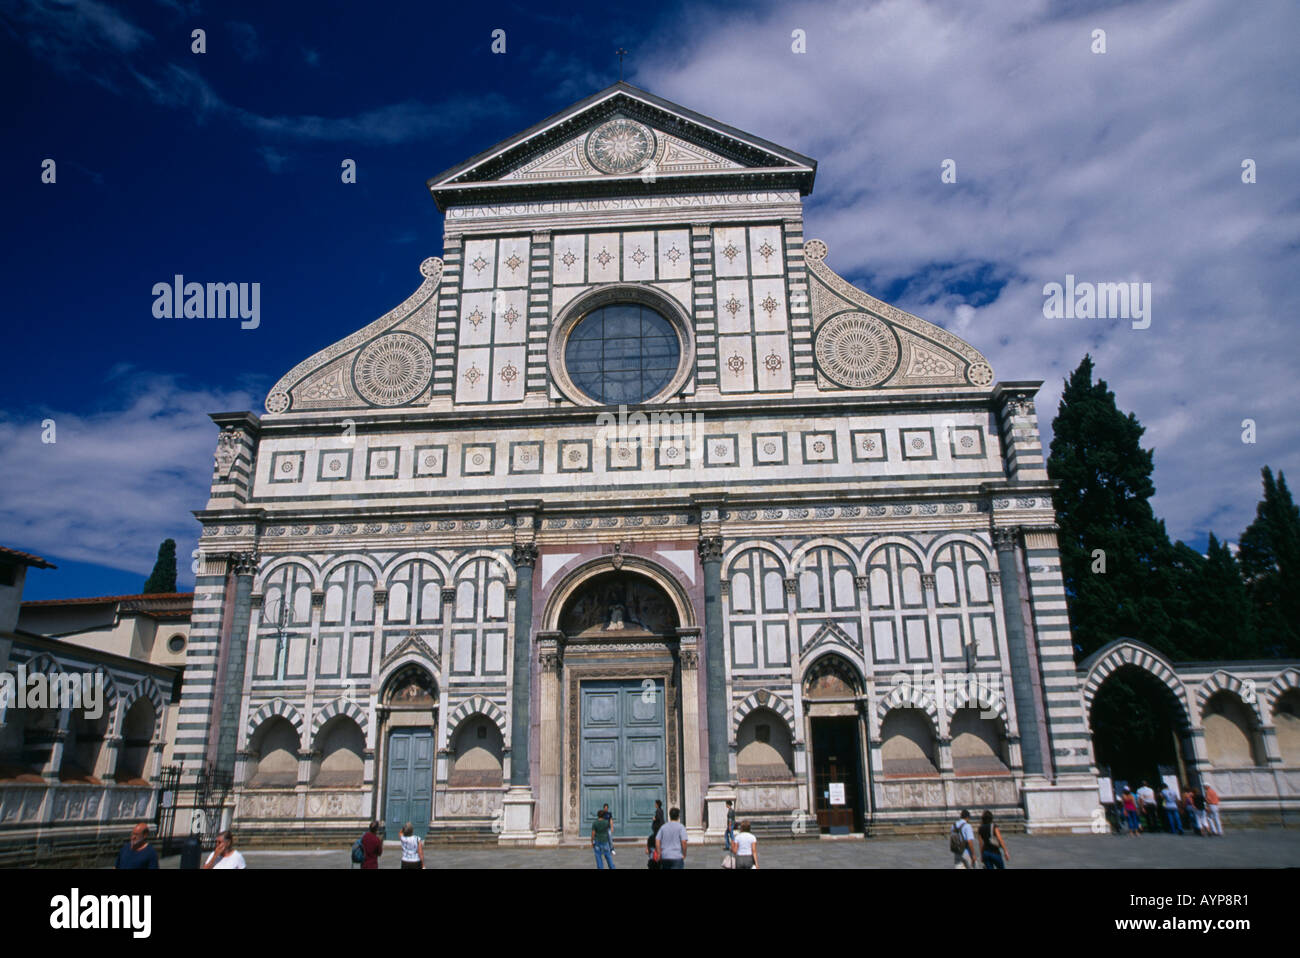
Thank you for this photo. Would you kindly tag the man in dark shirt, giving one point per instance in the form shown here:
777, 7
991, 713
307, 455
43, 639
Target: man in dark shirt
600, 839
137, 852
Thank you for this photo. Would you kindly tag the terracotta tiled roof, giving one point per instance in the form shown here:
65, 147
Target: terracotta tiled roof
26, 558
157, 602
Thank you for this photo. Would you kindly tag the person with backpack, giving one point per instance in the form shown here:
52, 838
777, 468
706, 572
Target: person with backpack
368, 848
993, 849
961, 842
602, 839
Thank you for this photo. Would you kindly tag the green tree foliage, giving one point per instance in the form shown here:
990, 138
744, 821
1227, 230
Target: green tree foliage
1186, 605
1269, 556
1106, 521
163, 577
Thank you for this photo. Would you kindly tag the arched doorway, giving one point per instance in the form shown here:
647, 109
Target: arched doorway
832, 693
408, 720
1140, 730
617, 627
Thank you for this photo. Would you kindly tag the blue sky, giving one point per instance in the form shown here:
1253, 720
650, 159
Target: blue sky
225, 166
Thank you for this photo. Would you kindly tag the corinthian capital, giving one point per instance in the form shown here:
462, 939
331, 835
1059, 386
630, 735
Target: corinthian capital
525, 553
711, 549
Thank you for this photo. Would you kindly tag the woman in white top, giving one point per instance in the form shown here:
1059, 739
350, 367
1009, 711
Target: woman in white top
743, 844
412, 848
224, 855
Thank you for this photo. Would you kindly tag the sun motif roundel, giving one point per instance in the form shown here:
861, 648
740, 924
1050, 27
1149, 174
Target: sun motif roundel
393, 369
620, 146
855, 350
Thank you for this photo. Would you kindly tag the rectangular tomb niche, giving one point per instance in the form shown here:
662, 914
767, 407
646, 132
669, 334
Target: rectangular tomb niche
622, 753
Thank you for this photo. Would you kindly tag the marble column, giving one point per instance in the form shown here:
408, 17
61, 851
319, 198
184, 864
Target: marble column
551, 762
1030, 716
688, 655
715, 679
243, 566
517, 806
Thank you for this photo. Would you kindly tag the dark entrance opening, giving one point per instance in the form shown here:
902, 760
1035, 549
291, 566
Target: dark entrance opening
1137, 728
837, 773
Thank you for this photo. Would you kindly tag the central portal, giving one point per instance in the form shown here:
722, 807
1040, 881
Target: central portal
619, 700
623, 755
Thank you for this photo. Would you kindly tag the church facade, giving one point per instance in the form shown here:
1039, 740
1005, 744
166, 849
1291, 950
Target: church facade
635, 499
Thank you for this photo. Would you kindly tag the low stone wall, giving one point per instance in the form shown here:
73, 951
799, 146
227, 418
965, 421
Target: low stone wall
69, 826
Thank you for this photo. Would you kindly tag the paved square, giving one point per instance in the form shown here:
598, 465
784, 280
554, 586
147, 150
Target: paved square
1250, 848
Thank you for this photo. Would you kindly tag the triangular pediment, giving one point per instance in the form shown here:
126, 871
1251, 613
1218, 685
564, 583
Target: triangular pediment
623, 139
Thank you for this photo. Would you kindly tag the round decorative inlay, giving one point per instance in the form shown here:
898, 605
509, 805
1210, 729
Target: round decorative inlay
918, 444
672, 452
431, 268
819, 447
815, 250
967, 442
277, 402
869, 444
620, 146
381, 463
855, 350
393, 369
769, 448
287, 466
979, 374
336, 465
479, 459
430, 462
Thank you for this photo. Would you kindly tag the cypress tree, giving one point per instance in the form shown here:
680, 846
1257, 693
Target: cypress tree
163, 577
1115, 554
1269, 555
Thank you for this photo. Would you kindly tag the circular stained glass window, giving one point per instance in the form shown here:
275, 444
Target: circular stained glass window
622, 353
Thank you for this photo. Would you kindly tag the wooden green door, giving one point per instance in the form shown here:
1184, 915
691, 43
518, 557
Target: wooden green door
410, 780
623, 755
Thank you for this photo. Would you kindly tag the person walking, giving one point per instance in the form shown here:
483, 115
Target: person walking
1172, 819
993, 850
224, 855
1131, 813
372, 846
745, 847
651, 856
412, 848
137, 853
600, 839
731, 824
961, 842
658, 823
1212, 821
1198, 800
670, 843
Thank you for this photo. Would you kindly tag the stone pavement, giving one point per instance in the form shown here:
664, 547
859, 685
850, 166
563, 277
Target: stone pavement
1247, 848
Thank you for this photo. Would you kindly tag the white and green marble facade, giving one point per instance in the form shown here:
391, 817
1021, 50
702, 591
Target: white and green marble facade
851, 486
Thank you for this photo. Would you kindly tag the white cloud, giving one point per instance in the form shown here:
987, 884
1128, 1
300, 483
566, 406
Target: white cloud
119, 479
1114, 167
